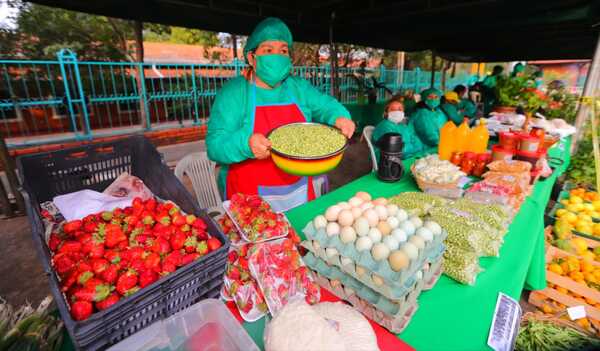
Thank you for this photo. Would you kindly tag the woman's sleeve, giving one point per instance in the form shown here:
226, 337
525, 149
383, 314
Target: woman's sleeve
380, 130
425, 127
325, 108
452, 113
227, 135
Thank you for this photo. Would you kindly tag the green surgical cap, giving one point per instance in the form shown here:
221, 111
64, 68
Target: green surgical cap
519, 67
428, 91
269, 29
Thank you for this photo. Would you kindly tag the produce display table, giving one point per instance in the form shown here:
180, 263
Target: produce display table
365, 114
453, 316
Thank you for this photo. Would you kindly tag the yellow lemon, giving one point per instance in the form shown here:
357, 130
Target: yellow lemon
596, 229
560, 212
584, 217
585, 228
564, 202
588, 255
555, 267
575, 200
595, 214
588, 207
587, 267
596, 205
570, 217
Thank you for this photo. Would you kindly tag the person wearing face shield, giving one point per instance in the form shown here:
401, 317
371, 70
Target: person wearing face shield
429, 118
395, 121
248, 107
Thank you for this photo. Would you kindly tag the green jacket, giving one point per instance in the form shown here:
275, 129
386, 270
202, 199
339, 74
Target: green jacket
412, 143
452, 113
410, 105
230, 125
467, 108
427, 124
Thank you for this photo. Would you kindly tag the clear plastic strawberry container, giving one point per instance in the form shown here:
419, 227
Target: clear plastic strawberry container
261, 235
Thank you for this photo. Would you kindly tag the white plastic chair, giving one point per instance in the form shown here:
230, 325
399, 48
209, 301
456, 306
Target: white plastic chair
201, 172
368, 134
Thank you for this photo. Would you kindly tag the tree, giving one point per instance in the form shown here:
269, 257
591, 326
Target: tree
189, 36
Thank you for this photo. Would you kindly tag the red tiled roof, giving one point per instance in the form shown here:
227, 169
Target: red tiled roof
556, 62
182, 53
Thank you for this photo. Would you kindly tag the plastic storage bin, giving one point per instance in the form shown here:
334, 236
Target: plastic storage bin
205, 326
46, 175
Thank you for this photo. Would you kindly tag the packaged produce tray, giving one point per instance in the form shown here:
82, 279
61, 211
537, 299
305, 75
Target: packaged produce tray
394, 280
46, 175
395, 324
244, 235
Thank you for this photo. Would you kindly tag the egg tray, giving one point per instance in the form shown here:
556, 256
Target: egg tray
395, 324
432, 274
391, 307
392, 278
390, 291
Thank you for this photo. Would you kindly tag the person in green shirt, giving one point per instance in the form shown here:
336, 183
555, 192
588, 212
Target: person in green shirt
518, 70
488, 89
465, 105
429, 118
395, 121
410, 104
248, 107
450, 108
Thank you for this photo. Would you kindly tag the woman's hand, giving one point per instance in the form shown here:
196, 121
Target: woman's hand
346, 125
260, 146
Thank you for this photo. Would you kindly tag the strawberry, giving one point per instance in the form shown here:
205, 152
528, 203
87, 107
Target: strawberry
178, 240
150, 205
200, 234
63, 264
188, 258
232, 257
148, 219
54, 242
137, 264
93, 282
99, 265
213, 244
110, 273
202, 247
162, 218
70, 246
168, 267
123, 245
174, 210
72, 226
68, 283
167, 206
81, 310
147, 277
113, 235
113, 256
112, 299
190, 244
189, 219
161, 246
84, 276
233, 273
245, 306
126, 281
107, 216
185, 228
99, 293
137, 202
152, 261
94, 249
117, 213
199, 224
243, 263
178, 220
131, 220
174, 257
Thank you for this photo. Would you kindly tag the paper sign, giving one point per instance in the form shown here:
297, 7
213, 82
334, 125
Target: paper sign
576, 312
505, 324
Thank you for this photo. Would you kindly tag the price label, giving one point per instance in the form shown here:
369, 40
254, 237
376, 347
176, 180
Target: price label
505, 324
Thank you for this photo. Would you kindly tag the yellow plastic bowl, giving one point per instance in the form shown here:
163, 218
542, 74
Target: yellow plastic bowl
308, 166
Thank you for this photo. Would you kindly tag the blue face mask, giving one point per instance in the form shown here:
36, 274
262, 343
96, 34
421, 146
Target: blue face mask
432, 103
273, 68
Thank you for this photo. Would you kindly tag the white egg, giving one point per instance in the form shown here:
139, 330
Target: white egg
401, 215
377, 279
419, 275
356, 212
434, 227
380, 201
384, 228
348, 291
347, 235
392, 209
375, 235
418, 241
345, 218
372, 217
316, 245
363, 196
360, 270
344, 205
320, 222
382, 212
345, 261
367, 205
355, 201
363, 243
416, 221
391, 242
362, 226
333, 228
425, 233
410, 250
331, 252
393, 222
399, 235
408, 227
380, 251
332, 213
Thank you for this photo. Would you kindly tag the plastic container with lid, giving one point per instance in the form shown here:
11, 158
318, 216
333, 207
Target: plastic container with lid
500, 153
508, 140
528, 143
447, 141
205, 326
530, 156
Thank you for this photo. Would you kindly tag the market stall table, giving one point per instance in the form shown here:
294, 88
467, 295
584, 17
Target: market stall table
453, 316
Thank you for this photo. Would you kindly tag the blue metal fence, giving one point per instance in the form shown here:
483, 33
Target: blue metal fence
67, 99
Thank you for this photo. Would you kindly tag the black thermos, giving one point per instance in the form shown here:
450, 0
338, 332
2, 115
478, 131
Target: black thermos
390, 168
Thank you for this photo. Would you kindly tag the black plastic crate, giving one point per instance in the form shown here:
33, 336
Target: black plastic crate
46, 175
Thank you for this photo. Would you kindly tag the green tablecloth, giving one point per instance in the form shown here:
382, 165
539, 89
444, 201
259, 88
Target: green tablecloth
365, 115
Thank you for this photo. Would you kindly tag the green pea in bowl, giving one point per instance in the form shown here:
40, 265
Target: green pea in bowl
307, 148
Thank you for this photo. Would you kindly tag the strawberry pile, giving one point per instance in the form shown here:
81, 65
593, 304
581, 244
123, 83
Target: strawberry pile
229, 229
281, 275
110, 255
241, 287
256, 218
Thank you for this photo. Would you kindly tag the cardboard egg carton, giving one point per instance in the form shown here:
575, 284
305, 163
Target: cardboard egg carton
432, 272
